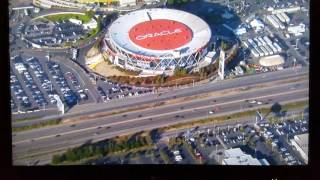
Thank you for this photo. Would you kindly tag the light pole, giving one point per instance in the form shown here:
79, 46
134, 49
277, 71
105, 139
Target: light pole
216, 148
243, 138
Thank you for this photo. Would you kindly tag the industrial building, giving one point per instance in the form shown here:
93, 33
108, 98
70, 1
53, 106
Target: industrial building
301, 144
235, 156
297, 30
270, 61
262, 46
85, 4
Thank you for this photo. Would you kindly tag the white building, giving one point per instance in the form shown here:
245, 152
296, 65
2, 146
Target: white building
58, 4
297, 30
256, 24
235, 156
301, 143
123, 3
75, 21
240, 31
91, 24
288, 10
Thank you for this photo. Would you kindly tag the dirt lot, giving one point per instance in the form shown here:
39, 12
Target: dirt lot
107, 70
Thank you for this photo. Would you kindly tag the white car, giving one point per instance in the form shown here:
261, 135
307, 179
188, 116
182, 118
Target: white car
259, 102
211, 112
176, 153
252, 102
178, 158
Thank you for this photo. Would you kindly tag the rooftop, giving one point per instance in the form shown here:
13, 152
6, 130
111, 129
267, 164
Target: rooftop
159, 32
236, 156
274, 60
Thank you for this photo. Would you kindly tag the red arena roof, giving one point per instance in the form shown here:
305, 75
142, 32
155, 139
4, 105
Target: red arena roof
160, 34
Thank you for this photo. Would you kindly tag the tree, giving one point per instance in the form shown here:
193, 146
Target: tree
90, 13
71, 156
56, 159
170, 2
224, 45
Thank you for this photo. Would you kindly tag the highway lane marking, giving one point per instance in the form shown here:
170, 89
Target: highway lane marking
232, 93
126, 131
164, 114
230, 81
153, 116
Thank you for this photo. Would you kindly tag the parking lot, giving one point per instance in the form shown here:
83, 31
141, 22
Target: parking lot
110, 90
281, 133
34, 82
53, 34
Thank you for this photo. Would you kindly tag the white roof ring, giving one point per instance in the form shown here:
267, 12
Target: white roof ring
159, 33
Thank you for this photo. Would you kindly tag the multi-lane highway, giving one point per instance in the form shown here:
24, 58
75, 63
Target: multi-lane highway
60, 137
177, 93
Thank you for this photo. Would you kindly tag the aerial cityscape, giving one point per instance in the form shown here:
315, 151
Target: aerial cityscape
209, 82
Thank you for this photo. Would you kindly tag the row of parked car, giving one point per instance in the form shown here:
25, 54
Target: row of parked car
274, 132
117, 91
57, 75
43, 79
19, 93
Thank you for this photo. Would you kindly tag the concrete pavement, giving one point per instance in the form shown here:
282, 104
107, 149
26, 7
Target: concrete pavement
181, 92
46, 140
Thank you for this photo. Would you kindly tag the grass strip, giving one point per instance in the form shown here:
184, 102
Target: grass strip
183, 125
60, 17
26, 119
35, 126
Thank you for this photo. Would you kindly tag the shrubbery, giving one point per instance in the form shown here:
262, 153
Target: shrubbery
102, 148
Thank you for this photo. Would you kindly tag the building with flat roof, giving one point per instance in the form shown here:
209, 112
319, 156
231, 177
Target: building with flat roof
235, 156
269, 61
301, 143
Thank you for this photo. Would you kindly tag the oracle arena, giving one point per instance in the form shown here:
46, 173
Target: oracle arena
155, 41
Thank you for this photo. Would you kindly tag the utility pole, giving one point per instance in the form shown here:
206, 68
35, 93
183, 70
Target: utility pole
48, 56
243, 138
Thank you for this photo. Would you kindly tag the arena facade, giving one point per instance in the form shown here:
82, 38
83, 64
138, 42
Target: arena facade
156, 41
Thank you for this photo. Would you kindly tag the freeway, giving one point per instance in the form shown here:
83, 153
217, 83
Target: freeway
177, 93
48, 140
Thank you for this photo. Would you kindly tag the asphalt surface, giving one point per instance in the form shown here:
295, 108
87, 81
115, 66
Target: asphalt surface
46, 140
177, 93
